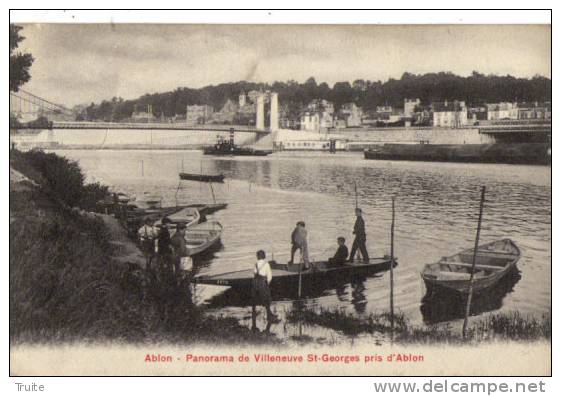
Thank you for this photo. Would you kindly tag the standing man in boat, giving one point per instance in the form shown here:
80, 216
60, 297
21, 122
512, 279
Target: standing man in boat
360, 238
260, 291
299, 239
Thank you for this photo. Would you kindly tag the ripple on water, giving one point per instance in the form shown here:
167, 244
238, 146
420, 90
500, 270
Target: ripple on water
436, 215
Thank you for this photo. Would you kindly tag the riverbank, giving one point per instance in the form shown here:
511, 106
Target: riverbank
94, 257
511, 326
75, 277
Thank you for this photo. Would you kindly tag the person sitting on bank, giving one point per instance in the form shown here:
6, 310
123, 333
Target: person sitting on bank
360, 238
341, 254
299, 239
260, 291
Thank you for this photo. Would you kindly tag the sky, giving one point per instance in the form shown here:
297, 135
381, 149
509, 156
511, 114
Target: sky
84, 63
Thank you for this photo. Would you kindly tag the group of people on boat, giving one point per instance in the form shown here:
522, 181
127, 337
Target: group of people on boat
299, 241
261, 293
157, 243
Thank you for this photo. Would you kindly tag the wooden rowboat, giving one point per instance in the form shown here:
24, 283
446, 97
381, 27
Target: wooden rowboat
287, 274
202, 236
188, 216
494, 261
218, 178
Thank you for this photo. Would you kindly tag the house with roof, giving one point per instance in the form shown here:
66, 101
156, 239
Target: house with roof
502, 111
450, 114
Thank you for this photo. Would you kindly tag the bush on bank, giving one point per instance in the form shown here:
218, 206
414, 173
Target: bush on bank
60, 178
64, 283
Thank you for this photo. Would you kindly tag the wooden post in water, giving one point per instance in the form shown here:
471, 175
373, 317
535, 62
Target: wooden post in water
356, 197
391, 265
470, 292
212, 191
142, 167
300, 280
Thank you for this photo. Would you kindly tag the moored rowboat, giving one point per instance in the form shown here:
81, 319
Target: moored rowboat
287, 274
218, 178
494, 260
202, 236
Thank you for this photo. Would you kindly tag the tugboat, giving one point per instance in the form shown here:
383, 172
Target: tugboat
227, 147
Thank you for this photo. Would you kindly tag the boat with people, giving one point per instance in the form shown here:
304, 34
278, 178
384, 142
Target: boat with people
493, 262
216, 178
288, 274
203, 236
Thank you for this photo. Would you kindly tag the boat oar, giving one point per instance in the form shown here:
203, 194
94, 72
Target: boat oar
470, 292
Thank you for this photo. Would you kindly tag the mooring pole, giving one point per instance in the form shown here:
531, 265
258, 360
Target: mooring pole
470, 292
212, 191
142, 167
356, 197
391, 264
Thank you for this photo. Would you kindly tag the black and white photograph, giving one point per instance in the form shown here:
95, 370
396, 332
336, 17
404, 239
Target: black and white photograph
279, 199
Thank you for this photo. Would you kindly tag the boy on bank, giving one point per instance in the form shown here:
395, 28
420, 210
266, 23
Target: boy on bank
260, 291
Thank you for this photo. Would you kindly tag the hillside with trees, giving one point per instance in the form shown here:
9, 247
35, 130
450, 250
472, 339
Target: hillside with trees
474, 89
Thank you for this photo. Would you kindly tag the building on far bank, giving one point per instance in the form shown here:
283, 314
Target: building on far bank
315, 121
502, 111
318, 116
348, 116
143, 116
409, 106
450, 114
477, 112
198, 114
534, 111
227, 113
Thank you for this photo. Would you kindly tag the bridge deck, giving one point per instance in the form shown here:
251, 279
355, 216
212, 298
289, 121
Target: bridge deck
155, 126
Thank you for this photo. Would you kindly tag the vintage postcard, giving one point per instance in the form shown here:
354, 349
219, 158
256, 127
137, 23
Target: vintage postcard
287, 199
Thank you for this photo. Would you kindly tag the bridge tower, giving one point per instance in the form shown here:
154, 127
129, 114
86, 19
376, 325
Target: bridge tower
260, 116
274, 124
273, 99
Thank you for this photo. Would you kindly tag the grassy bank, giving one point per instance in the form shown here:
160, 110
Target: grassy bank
66, 283
501, 326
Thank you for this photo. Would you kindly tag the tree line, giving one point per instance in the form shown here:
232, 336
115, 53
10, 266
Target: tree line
474, 89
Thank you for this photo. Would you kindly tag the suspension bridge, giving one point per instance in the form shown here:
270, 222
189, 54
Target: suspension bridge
29, 111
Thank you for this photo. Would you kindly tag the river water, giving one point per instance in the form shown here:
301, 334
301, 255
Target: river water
436, 215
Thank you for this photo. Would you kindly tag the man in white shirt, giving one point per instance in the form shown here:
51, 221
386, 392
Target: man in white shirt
147, 235
260, 291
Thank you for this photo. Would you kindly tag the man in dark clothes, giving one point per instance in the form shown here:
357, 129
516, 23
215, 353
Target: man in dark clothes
360, 238
299, 239
179, 247
341, 254
164, 246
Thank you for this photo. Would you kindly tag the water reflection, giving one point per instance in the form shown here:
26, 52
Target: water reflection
436, 215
